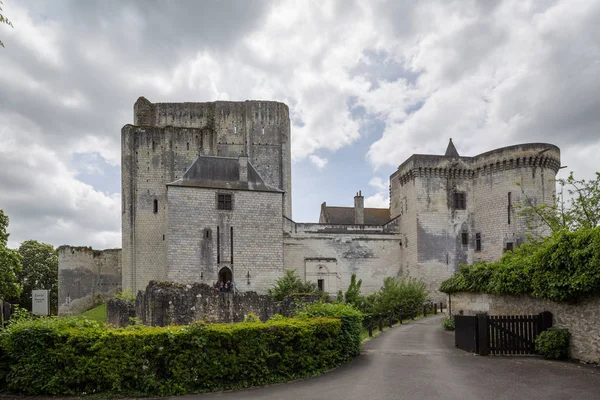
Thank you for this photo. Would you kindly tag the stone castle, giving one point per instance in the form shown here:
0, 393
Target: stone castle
206, 192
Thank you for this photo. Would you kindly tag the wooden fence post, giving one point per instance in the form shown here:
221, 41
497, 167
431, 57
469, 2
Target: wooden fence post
545, 321
380, 323
370, 325
484, 334
400, 315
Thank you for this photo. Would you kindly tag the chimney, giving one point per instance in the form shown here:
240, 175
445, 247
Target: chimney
359, 209
243, 161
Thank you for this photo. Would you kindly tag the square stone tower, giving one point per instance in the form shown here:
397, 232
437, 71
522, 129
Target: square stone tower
162, 143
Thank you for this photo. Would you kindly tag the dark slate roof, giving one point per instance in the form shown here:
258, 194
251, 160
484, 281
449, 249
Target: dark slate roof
345, 215
451, 150
222, 173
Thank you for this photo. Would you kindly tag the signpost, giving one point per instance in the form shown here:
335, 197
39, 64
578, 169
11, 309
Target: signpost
40, 302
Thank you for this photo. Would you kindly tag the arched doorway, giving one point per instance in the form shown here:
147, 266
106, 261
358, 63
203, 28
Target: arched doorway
225, 275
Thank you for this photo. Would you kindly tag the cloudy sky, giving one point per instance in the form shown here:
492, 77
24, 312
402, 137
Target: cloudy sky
368, 84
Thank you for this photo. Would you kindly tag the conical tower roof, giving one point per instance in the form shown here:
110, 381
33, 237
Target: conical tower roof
451, 150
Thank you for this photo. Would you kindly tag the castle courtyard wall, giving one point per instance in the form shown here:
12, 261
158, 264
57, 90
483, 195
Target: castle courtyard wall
86, 278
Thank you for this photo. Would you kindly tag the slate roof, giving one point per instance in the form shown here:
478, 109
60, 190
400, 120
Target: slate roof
222, 173
345, 215
451, 150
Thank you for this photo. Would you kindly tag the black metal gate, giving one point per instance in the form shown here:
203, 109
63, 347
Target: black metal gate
500, 334
466, 333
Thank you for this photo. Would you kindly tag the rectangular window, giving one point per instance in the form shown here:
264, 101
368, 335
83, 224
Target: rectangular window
459, 201
224, 202
465, 238
478, 242
321, 284
509, 247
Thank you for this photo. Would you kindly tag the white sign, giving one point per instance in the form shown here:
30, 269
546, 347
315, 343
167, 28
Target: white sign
40, 301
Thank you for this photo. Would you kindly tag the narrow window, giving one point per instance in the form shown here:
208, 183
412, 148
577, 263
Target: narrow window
218, 246
478, 242
207, 233
321, 284
465, 238
163, 237
509, 206
509, 247
224, 202
155, 206
231, 243
188, 146
459, 201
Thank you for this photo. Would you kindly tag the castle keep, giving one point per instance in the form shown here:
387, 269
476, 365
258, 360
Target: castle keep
206, 192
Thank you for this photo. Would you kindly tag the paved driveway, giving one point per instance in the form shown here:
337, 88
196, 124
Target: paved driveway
419, 361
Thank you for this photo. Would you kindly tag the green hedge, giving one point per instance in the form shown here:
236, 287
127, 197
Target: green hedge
71, 356
349, 340
564, 268
553, 344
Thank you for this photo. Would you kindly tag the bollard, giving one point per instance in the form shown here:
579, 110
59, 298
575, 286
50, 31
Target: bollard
424, 310
441, 306
390, 322
413, 313
400, 315
380, 323
434, 308
370, 326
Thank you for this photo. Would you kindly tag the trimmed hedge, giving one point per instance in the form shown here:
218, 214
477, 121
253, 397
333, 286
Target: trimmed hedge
73, 356
564, 268
349, 340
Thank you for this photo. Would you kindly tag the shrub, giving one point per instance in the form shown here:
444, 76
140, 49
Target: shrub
564, 268
127, 295
349, 339
448, 323
291, 284
553, 344
408, 294
74, 356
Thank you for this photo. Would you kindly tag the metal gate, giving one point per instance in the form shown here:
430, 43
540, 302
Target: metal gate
500, 334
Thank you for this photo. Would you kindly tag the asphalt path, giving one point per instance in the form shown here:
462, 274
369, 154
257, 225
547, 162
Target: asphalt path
418, 360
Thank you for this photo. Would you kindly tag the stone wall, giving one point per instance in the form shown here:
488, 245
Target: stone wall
163, 303
334, 252
195, 222
119, 312
582, 319
86, 278
164, 142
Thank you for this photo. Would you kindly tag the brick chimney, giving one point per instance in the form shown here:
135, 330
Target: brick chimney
243, 161
359, 209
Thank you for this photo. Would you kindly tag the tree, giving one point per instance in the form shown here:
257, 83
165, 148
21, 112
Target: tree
40, 271
10, 264
289, 284
4, 20
352, 295
576, 205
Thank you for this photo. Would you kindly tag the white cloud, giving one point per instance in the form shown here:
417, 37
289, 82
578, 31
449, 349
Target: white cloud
318, 161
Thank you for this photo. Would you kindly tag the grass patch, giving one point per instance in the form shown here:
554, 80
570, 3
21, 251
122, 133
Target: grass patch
97, 314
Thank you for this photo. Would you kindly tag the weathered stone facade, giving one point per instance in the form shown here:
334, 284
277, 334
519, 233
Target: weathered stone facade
86, 278
581, 319
455, 210
164, 141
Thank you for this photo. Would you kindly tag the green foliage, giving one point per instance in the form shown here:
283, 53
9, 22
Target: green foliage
127, 295
553, 344
61, 356
251, 317
448, 323
10, 264
564, 268
4, 20
576, 206
20, 314
291, 284
352, 295
406, 293
348, 342
39, 271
